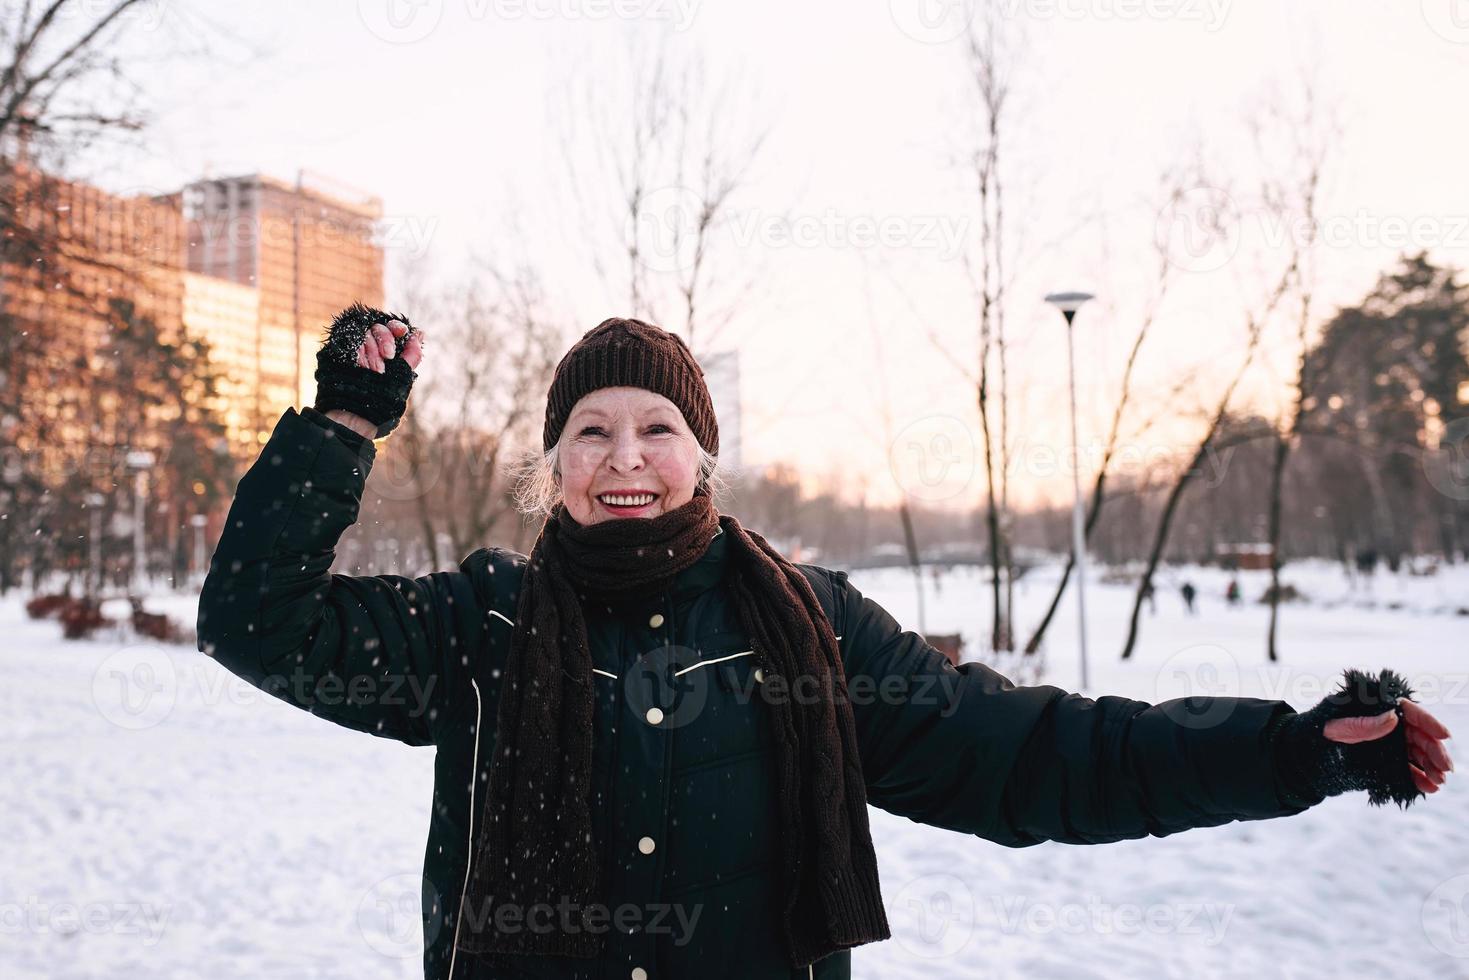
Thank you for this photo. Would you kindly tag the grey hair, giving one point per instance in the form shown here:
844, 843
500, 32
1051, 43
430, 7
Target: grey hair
537, 489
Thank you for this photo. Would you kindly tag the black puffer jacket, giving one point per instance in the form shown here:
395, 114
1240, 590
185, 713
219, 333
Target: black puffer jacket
684, 804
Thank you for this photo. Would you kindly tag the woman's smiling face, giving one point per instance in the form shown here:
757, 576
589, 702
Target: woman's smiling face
626, 443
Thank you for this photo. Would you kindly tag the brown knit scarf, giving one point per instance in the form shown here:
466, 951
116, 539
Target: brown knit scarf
533, 841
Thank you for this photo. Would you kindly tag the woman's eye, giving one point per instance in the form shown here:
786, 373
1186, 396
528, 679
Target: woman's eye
597, 430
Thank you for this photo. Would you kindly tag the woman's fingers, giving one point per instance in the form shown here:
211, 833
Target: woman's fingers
1420, 759
1364, 729
1417, 715
1422, 781
374, 355
387, 344
381, 346
413, 350
1432, 748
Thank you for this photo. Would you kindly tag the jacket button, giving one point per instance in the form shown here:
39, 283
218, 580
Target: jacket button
759, 675
656, 620
638, 973
655, 716
646, 845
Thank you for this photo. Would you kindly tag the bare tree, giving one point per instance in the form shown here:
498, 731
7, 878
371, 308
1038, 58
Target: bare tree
1208, 443
1297, 192
497, 349
63, 90
674, 155
987, 67
55, 57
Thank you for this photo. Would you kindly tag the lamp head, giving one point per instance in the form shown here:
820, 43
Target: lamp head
1068, 303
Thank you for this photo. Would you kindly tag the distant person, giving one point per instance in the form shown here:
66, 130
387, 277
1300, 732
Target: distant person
1367, 565
1189, 592
1231, 594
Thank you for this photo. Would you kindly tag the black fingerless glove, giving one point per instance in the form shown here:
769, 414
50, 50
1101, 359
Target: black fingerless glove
1309, 766
342, 383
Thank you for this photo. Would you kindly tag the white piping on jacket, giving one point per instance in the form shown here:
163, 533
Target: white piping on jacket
716, 660
469, 848
604, 673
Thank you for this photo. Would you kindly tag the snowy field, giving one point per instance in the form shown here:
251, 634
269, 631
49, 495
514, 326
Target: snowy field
162, 819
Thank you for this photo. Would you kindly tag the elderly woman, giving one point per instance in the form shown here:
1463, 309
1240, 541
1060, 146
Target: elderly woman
657, 737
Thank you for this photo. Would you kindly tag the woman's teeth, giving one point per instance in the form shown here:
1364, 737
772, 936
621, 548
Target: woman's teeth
618, 500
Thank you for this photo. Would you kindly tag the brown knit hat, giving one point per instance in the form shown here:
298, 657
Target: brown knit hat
620, 352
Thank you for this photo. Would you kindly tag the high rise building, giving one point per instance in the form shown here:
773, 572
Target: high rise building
253, 265
227, 315
306, 248
722, 375
72, 251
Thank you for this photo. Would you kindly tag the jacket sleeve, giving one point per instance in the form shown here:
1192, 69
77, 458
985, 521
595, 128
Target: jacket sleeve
965, 749
368, 653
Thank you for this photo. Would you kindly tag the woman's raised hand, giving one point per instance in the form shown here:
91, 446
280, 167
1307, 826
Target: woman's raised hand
365, 369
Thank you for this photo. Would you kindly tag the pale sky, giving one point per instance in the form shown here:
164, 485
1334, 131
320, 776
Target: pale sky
445, 109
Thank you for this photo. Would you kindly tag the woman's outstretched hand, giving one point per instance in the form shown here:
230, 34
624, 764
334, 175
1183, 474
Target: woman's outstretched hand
1429, 760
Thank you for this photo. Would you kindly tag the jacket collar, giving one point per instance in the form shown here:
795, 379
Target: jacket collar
703, 574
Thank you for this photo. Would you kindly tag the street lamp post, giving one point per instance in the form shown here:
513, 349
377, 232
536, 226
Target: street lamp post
94, 547
1068, 304
139, 460
198, 521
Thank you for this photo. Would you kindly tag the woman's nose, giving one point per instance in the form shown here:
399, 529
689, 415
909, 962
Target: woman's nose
627, 454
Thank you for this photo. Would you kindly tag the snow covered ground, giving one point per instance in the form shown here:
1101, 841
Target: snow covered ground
163, 819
